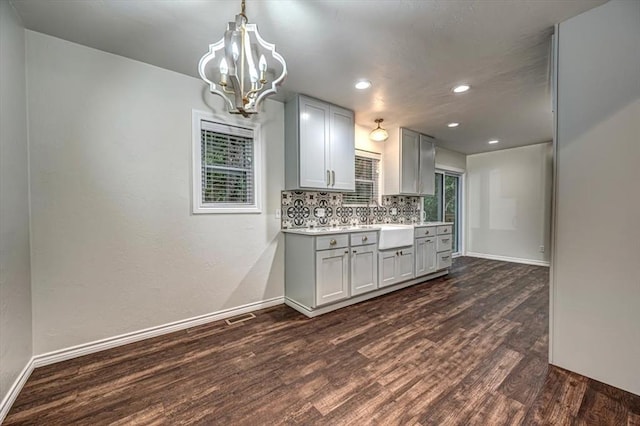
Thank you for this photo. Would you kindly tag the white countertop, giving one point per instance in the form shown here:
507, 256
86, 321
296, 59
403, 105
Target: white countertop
324, 230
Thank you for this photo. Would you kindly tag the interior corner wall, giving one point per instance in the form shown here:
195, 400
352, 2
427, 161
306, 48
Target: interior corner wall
595, 293
509, 203
15, 281
115, 248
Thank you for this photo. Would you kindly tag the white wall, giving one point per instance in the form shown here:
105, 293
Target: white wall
450, 159
114, 246
509, 203
15, 281
595, 328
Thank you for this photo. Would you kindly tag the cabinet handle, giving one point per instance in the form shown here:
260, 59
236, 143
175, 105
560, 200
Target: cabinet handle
444, 240
347, 252
400, 252
328, 178
354, 252
397, 253
365, 238
333, 242
445, 257
333, 178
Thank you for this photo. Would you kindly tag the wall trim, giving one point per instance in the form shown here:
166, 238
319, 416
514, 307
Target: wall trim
15, 389
508, 259
147, 333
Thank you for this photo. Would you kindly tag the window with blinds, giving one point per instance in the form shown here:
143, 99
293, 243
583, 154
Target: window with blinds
367, 180
226, 180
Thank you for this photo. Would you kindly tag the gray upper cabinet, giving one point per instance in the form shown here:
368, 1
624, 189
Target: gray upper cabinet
319, 146
409, 166
427, 173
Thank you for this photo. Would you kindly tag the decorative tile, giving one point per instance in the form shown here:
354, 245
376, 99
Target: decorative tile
303, 209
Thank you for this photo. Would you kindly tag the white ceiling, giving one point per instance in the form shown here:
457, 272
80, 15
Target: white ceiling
414, 52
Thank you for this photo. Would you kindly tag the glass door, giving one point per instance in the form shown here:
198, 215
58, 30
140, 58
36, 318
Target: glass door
445, 204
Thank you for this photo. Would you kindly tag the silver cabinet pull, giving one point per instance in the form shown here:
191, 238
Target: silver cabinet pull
328, 178
365, 238
333, 242
444, 240
333, 178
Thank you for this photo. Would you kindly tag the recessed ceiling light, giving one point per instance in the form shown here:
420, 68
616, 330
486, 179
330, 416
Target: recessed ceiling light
461, 88
363, 84
453, 124
493, 141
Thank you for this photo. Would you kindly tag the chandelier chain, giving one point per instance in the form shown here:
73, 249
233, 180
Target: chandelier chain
243, 8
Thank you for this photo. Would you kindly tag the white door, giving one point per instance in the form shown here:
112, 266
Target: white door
405, 264
421, 256
342, 150
387, 267
314, 137
409, 161
426, 184
332, 276
364, 269
430, 255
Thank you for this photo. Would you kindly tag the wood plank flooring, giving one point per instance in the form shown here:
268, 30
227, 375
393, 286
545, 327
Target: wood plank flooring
469, 348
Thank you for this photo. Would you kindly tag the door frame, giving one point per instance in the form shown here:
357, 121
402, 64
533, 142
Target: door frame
462, 211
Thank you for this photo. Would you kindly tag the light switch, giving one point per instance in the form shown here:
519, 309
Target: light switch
278, 213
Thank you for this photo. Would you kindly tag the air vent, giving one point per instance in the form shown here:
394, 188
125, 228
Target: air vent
240, 318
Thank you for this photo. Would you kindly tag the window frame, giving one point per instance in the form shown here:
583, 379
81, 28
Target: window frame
198, 206
374, 156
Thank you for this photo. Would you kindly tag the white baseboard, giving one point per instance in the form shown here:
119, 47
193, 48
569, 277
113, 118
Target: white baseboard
135, 336
15, 389
508, 259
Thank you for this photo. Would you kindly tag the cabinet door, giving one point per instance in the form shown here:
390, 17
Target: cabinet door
405, 264
342, 150
364, 269
409, 161
387, 264
431, 255
426, 185
332, 276
314, 137
421, 256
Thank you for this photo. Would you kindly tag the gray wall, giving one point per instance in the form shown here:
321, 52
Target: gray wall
509, 203
595, 307
15, 281
115, 248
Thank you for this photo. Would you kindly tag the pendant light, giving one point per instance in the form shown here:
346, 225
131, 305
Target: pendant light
242, 59
379, 134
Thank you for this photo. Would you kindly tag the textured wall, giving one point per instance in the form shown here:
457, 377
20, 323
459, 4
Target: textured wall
596, 274
115, 247
15, 281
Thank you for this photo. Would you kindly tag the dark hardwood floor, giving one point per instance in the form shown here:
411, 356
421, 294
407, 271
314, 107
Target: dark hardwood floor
469, 348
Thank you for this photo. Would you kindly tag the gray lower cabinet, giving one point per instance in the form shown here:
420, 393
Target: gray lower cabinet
426, 256
395, 266
364, 269
332, 275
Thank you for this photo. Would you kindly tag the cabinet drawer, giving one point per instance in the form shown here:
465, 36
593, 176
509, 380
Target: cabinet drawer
444, 260
364, 238
444, 243
332, 241
445, 229
425, 231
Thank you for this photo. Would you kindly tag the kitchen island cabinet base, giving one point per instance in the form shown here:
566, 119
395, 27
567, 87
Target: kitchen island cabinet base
314, 312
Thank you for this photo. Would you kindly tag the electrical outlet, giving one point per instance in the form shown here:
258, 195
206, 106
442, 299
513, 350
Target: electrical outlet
541, 249
278, 213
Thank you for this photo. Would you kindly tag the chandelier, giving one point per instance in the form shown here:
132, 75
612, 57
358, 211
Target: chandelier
240, 73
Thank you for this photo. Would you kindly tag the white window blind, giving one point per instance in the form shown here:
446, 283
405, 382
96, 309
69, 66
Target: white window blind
367, 181
227, 160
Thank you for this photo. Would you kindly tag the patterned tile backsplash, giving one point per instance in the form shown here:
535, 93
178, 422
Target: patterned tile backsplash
302, 209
